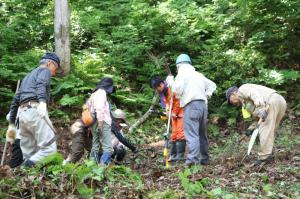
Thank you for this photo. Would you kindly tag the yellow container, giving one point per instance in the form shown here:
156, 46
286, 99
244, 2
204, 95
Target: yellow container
246, 114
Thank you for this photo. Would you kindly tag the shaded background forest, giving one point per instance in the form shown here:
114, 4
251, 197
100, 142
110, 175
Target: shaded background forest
231, 42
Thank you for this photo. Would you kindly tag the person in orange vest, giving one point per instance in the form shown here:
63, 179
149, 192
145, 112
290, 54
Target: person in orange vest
177, 143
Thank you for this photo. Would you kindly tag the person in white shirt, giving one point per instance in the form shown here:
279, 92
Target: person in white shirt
193, 90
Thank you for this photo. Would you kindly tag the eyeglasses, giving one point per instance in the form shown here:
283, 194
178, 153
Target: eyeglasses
55, 64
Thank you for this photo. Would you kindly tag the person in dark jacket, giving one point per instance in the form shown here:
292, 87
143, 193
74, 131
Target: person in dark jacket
31, 100
82, 139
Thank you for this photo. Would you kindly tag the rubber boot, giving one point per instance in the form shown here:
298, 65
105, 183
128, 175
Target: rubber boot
17, 155
180, 148
172, 155
105, 158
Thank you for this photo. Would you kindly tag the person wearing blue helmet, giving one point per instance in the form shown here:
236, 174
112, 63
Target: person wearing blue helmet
193, 90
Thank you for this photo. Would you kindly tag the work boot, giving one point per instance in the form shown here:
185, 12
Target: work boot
172, 155
105, 158
17, 155
258, 162
180, 149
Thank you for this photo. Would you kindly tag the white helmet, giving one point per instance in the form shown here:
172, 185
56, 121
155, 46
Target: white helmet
118, 114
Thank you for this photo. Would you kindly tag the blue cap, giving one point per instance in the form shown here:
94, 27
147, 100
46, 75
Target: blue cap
53, 57
230, 91
183, 58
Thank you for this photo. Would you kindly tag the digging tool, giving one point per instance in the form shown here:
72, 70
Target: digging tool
5, 146
166, 153
47, 120
255, 133
166, 136
253, 136
4, 153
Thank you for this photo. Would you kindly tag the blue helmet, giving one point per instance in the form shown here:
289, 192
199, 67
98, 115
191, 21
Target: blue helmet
183, 58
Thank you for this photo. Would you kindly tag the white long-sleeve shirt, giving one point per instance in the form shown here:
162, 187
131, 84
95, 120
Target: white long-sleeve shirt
191, 85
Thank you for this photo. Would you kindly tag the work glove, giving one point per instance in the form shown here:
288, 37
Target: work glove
166, 135
170, 81
248, 132
263, 114
67, 161
135, 153
163, 117
42, 109
11, 133
8, 116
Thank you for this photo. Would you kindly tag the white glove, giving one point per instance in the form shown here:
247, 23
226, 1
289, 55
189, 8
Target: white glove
170, 81
42, 109
8, 116
11, 133
66, 161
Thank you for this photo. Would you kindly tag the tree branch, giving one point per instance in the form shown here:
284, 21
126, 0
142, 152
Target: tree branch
145, 116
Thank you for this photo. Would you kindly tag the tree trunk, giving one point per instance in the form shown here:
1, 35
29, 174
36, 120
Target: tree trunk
145, 116
62, 34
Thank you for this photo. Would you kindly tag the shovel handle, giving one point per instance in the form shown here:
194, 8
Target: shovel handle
4, 154
47, 120
5, 146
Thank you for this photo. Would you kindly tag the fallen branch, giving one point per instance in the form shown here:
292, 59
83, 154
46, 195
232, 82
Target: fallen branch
145, 116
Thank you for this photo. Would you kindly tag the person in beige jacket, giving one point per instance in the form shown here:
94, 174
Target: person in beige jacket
260, 102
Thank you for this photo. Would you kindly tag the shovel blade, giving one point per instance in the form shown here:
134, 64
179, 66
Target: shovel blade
252, 141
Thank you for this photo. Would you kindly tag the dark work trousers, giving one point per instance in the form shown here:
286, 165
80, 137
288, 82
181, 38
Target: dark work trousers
81, 140
195, 128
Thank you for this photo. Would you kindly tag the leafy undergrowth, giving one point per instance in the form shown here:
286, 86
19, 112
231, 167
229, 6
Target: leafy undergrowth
228, 175
51, 180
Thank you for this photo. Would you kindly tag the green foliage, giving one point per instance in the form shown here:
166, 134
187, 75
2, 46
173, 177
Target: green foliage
80, 177
167, 194
193, 189
230, 42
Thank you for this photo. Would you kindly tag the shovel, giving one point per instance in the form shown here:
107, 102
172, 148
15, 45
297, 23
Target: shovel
5, 146
255, 133
166, 153
47, 120
254, 136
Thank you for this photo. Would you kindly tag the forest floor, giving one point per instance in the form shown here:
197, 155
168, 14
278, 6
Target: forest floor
228, 175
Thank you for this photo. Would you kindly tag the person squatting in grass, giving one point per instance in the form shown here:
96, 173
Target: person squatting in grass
82, 139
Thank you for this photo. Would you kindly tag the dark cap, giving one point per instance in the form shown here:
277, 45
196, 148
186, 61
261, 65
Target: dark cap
106, 84
155, 81
230, 91
53, 57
